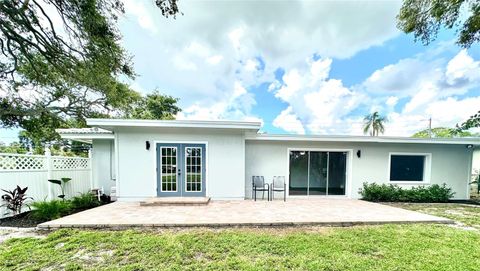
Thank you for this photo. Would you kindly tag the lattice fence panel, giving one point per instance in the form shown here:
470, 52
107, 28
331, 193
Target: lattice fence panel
62, 163
22, 162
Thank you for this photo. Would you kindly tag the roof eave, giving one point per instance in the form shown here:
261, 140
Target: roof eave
358, 139
112, 123
86, 138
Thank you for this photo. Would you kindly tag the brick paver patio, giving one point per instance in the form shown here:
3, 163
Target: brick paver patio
321, 211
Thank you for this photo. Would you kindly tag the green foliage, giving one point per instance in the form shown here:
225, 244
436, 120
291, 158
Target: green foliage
62, 182
374, 124
153, 106
366, 248
442, 132
472, 122
13, 147
14, 200
70, 68
424, 18
49, 210
85, 201
394, 193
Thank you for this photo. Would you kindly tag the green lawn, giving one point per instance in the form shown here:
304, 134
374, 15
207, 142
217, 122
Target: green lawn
388, 247
468, 215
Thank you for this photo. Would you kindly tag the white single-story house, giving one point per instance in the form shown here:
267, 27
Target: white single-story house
217, 159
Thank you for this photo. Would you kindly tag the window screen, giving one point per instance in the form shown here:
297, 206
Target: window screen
407, 168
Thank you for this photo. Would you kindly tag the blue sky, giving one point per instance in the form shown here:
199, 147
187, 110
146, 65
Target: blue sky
313, 67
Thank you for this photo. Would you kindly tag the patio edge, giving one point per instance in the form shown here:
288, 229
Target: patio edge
45, 226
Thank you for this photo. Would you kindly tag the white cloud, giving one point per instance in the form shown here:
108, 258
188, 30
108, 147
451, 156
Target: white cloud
432, 87
292, 84
141, 12
288, 121
444, 113
319, 102
391, 101
462, 67
236, 107
199, 55
212, 66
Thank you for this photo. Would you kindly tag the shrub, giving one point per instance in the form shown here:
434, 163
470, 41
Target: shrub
48, 210
14, 200
85, 201
393, 192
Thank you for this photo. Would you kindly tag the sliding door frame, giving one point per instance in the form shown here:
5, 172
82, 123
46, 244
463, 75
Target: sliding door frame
348, 177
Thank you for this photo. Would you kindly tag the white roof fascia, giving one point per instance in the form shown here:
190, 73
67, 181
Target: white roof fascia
367, 139
108, 123
87, 136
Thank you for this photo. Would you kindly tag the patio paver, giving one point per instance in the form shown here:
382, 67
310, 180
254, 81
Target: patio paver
322, 211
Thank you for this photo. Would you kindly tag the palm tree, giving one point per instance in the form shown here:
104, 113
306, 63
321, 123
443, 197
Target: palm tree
373, 124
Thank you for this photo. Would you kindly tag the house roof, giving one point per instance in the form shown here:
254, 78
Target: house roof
112, 123
371, 139
85, 135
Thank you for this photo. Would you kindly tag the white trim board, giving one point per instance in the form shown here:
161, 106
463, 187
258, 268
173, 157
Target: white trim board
108, 123
364, 139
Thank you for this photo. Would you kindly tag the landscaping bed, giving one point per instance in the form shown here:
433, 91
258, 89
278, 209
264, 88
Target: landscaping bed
43, 211
23, 220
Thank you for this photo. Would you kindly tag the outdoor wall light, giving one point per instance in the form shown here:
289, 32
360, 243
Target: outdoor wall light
469, 146
359, 153
147, 145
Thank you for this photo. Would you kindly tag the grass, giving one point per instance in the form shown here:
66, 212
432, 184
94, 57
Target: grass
387, 247
468, 215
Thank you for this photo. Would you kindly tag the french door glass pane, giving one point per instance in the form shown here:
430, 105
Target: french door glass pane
318, 173
169, 169
193, 169
298, 184
337, 167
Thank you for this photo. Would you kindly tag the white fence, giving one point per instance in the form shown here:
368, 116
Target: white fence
33, 171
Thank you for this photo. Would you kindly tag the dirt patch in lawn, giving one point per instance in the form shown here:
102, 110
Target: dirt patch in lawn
466, 216
9, 232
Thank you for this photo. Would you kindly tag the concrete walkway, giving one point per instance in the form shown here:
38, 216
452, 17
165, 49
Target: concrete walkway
321, 211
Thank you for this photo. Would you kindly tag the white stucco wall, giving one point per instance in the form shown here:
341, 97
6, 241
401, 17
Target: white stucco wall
449, 163
476, 161
137, 166
103, 169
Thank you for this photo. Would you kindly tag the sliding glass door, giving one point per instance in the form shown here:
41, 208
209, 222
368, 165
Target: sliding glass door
317, 173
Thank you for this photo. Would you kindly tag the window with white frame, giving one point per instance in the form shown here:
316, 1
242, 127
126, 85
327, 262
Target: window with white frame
407, 167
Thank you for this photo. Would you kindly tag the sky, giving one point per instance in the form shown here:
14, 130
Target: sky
299, 67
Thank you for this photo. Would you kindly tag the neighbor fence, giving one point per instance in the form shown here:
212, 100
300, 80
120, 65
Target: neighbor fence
34, 171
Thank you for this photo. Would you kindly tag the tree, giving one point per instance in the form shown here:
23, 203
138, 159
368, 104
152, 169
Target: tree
374, 124
424, 18
442, 132
154, 106
473, 121
60, 63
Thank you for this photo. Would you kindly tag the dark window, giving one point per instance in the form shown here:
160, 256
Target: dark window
407, 168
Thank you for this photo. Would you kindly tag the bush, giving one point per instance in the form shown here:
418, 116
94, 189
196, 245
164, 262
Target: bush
393, 192
48, 210
85, 201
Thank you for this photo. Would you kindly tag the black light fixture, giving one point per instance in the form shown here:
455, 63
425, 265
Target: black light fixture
469, 146
359, 153
147, 145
